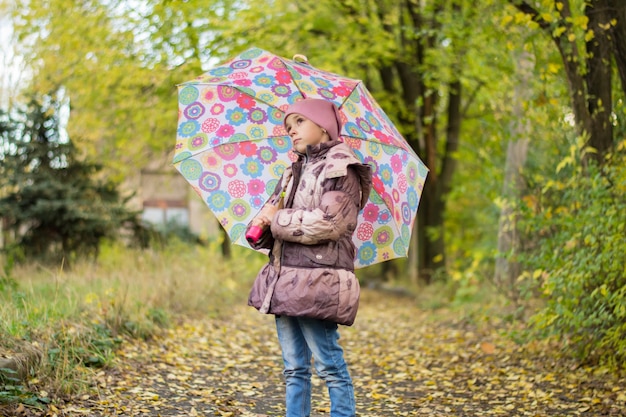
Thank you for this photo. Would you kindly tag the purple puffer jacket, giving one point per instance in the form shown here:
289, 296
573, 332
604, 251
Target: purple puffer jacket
310, 240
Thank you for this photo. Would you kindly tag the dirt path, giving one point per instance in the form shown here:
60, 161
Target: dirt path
404, 362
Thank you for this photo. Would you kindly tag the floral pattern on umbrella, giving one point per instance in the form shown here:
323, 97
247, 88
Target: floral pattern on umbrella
232, 146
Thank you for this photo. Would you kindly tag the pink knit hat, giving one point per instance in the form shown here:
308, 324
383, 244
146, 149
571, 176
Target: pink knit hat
323, 112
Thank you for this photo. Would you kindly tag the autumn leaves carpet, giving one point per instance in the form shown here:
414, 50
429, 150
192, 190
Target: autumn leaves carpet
404, 362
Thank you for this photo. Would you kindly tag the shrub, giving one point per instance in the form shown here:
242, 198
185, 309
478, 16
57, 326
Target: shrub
79, 317
579, 260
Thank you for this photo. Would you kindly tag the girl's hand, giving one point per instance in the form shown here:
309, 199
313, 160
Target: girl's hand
265, 216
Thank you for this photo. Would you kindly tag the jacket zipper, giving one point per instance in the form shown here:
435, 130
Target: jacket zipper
304, 163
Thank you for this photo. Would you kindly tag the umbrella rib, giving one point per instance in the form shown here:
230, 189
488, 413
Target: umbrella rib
283, 60
384, 144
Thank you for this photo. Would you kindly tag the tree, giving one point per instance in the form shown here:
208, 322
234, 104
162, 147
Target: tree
411, 56
425, 62
590, 44
507, 268
118, 64
54, 204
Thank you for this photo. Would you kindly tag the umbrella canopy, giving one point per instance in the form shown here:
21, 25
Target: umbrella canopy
232, 146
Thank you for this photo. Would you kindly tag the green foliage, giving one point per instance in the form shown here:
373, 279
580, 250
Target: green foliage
578, 257
12, 391
7, 281
119, 62
53, 203
80, 316
162, 235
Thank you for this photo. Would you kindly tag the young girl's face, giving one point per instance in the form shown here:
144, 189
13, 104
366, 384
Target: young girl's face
304, 132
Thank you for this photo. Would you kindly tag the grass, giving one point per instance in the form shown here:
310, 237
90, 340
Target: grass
64, 324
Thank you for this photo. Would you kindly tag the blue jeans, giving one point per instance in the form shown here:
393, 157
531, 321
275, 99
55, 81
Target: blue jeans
299, 339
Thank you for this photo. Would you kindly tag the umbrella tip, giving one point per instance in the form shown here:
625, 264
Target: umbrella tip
301, 59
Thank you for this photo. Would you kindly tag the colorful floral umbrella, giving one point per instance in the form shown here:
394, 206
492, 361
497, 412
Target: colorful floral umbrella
232, 146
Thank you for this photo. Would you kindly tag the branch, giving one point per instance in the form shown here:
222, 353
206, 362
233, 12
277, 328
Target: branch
526, 8
468, 103
569, 55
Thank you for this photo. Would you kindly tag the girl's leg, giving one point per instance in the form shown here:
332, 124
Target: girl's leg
297, 360
322, 337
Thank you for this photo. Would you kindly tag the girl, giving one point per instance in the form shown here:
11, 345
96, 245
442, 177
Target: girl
309, 282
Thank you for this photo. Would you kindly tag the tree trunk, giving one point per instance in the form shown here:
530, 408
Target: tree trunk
598, 78
430, 216
226, 250
507, 268
413, 264
617, 9
572, 62
591, 94
432, 208
4, 233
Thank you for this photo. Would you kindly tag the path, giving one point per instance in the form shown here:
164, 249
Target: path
404, 362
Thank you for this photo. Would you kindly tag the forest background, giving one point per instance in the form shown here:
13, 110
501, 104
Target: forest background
517, 107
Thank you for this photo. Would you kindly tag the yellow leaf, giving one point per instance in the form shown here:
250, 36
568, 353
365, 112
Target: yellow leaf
566, 161
488, 348
558, 31
571, 37
571, 244
521, 17
581, 21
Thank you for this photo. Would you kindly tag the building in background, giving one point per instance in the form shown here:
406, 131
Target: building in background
165, 196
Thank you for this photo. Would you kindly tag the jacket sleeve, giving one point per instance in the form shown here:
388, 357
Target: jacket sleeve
266, 241
335, 216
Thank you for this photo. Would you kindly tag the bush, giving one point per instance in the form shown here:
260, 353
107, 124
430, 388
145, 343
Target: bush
579, 260
79, 317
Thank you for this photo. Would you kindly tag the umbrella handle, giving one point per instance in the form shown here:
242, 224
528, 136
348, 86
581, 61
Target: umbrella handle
301, 59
